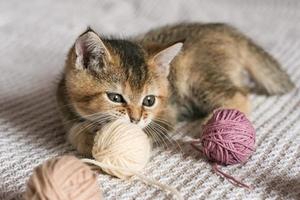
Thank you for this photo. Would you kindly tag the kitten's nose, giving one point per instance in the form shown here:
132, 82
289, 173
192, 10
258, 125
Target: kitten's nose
134, 120
135, 114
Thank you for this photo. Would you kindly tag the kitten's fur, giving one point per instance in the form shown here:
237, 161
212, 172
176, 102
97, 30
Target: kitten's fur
210, 70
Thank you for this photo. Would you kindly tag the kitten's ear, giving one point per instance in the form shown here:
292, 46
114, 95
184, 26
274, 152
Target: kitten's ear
90, 51
163, 59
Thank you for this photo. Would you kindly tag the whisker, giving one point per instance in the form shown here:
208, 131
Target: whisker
159, 139
162, 131
157, 136
170, 126
157, 132
87, 125
147, 131
84, 117
97, 120
171, 140
165, 123
67, 122
83, 128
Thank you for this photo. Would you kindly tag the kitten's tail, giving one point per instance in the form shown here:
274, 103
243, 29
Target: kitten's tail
266, 72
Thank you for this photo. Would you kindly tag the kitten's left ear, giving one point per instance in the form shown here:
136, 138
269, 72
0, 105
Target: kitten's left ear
163, 59
90, 51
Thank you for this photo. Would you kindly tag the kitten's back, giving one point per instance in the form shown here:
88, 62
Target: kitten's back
217, 44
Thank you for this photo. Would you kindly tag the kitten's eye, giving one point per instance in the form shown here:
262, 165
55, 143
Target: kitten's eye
115, 97
149, 100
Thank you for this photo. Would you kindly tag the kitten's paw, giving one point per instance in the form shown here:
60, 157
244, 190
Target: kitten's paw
82, 139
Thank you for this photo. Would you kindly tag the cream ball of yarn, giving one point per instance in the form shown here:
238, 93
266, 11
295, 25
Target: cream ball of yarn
124, 146
63, 178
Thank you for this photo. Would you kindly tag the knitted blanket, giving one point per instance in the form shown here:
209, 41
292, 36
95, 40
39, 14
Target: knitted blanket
34, 38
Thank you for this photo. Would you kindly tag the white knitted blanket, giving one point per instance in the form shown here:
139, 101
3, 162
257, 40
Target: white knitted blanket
34, 38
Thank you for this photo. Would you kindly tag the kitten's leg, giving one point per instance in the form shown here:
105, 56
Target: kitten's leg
78, 133
240, 102
81, 138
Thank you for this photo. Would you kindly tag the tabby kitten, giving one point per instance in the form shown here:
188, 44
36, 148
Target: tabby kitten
171, 73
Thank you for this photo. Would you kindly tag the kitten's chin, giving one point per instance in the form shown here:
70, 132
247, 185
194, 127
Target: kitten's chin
142, 124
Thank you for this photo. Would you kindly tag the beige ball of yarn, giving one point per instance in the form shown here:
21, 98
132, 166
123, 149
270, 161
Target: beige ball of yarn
122, 145
64, 178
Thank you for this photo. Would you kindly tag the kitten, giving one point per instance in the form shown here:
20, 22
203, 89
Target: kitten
171, 73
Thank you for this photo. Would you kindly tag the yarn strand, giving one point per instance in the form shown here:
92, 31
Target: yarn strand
231, 179
217, 170
143, 178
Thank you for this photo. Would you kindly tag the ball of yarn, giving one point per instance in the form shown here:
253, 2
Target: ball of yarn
228, 137
122, 145
64, 178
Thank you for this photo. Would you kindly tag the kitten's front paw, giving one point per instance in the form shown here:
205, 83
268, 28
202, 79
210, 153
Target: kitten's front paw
82, 139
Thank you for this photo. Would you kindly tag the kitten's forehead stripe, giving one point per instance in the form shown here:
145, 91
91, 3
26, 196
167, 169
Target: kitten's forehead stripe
132, 61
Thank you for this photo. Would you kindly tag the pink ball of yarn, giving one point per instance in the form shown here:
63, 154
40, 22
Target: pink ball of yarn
63, 178
228, 137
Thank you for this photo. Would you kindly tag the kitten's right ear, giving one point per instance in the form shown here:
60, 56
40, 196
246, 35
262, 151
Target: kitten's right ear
90, 51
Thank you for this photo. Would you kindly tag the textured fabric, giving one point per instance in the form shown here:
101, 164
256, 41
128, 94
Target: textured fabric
34, 38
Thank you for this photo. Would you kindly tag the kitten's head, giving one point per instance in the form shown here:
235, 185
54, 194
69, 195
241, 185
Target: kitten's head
110, 79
